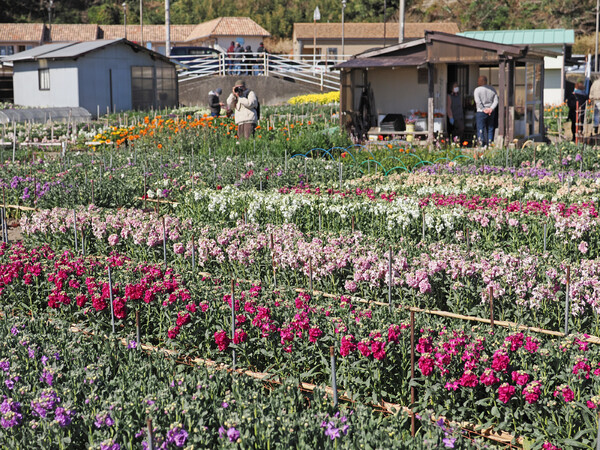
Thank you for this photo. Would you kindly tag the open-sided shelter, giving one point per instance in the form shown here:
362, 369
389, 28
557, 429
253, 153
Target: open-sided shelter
413, 79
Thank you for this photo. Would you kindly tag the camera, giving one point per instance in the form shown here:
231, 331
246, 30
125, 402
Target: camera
239, 90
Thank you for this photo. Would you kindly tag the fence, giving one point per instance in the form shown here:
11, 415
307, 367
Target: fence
312, 72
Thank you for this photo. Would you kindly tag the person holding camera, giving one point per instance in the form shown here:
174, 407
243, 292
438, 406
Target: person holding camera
243, 102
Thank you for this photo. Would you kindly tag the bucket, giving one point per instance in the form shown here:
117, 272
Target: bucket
410, 129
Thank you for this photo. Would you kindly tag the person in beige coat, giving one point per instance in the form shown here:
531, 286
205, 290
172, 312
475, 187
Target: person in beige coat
243, 102
595, 98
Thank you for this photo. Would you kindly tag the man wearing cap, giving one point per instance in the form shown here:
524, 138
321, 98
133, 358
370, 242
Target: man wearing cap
214, 102
244, 103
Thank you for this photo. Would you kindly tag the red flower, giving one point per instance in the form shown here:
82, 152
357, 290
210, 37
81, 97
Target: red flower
222, 340
347, 346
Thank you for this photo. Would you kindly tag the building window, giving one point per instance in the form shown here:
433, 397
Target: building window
166, 86
44, 79
142, 87
6, 50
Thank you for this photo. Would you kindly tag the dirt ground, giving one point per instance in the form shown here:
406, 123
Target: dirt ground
14, 232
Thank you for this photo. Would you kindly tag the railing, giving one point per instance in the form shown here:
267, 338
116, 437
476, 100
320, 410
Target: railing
316, 72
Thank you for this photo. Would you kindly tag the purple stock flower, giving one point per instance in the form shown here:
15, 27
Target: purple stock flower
449, 442
233, 434
46, 403
63, 416
103, 419
31, 352
177, 435
47, 376
10, 382
109, 444
225, 404
4, 365
14, 331
10, 413
221, 431
44, 360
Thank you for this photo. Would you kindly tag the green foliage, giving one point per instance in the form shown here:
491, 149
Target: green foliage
278, 16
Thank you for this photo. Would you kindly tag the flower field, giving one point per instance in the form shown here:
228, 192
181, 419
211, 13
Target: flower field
175, 289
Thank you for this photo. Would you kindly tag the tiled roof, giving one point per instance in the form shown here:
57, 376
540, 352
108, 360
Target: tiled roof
152, 33
73, 32
228, 26
525, 37
21, 32
369, 30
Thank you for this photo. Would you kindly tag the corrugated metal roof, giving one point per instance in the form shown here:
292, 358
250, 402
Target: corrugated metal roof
69, 50
363, 30
37, 52
79, 48
524, 37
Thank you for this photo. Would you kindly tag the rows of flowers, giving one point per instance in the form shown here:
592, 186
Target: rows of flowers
63, 390
527, 286
290, 335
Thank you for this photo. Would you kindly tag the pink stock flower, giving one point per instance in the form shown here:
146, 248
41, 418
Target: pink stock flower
314, 333
222, 340
347, 345
394, 332
582, 365
468, 379
488, 377
240, 336
515, 340
531, 344
113, 240
532, 392
426, 364
549, 446
500, 360
565, 391
583, 247
520, 377
378, 349
364, 348
505, 392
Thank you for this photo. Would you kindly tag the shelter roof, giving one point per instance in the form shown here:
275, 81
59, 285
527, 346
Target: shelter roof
525, 37
152, 33
73, 32
228, 26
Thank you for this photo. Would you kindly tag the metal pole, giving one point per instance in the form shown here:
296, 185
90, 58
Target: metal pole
597, 25
112, 311
142, 23
137, 328
167, 29
125, 18
401, 23
233, 319
164, 242
390, 279
343, 47
384, 24
333, 378
150, 432
75, 230
412, 371
567, 301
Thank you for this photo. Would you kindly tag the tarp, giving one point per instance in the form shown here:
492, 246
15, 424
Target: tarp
43, 115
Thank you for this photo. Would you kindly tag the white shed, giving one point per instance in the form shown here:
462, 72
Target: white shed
98, 75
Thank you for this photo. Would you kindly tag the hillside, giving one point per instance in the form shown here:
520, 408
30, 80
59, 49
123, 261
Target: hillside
278, 16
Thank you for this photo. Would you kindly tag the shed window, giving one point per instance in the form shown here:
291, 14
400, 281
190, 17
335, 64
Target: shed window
142, 87
166, 86
44, 79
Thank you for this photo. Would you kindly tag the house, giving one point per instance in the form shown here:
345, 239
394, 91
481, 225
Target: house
151, 36
559, 41
417, 74
18, 37
358, 37
219, 33
111, 74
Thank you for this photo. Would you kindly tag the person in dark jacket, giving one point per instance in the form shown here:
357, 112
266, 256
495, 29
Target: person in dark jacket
455, 113
576, 103
214, 102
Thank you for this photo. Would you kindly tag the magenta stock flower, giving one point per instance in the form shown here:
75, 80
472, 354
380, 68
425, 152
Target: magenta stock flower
347, 345
520, 377
505, 392
488, 377
565, 391
426, 364
500, 360
532, 392
222, 340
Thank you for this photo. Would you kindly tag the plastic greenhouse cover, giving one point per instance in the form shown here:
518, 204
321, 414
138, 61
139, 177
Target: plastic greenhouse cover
42, 115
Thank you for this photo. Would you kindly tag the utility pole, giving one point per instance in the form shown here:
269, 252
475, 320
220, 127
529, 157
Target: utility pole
50, 6
142, 23
125, 18
343, 48
167, 29
401, 23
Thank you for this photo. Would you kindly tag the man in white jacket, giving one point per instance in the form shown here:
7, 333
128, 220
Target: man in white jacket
244, 103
